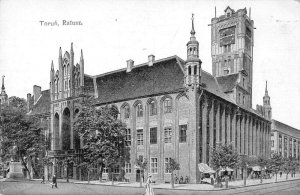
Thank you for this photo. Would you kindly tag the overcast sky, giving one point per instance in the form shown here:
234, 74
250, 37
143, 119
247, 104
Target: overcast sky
115, 31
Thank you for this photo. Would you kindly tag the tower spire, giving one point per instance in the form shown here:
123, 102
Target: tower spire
193, 30
266, 90
3, 88
52, 66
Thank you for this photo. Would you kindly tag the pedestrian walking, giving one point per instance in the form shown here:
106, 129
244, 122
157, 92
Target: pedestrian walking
43, 179
149, 190
54, 181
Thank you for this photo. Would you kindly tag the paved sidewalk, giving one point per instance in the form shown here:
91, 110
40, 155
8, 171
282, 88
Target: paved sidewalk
202, 187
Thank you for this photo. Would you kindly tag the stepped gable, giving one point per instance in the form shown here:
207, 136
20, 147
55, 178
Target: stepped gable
228, 82
166, 75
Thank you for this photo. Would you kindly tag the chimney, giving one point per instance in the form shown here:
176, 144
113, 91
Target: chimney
151, 59
28, 102
130, 64
36, 92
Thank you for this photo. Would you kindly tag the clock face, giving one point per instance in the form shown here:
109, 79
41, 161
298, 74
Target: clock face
227, 36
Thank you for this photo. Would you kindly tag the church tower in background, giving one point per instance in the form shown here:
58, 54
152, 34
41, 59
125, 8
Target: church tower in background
3, 95
232, 53
266, 104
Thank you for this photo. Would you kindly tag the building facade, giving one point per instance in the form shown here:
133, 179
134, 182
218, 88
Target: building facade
285, 140
172, 107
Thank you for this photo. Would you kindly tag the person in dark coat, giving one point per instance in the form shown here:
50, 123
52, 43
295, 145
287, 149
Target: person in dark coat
54, 181
43, 179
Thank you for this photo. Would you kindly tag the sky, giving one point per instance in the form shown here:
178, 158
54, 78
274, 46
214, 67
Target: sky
115, 31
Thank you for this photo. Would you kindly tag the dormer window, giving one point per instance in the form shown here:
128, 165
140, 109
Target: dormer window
228, 14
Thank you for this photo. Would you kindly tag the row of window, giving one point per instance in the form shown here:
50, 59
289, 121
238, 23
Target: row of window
167, 106
67, 84
153, 166
153, 135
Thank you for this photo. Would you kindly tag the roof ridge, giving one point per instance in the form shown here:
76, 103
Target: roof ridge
136, 66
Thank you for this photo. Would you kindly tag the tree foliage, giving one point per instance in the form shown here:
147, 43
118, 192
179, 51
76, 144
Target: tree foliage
275, 163
171, 167
289, 164
142, 164
103, 136
20, 133
224, 156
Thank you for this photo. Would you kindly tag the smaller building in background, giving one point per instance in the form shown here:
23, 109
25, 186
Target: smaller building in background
285, 140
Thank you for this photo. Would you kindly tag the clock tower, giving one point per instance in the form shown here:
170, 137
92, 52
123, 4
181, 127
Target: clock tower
232, 53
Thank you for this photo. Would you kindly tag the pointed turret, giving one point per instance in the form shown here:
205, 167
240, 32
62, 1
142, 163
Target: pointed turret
3, 87
71, 70
193, 63
193, 45
61, 74
3, 95
81, 63
266, 90
266, 104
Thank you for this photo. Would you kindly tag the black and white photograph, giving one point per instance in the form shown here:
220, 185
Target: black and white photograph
149, 97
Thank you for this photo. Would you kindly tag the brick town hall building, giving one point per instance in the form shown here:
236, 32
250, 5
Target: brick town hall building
172, 108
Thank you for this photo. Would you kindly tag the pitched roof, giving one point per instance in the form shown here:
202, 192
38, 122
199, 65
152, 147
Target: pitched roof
42, 106
164, 76
212, 85
284, 128
228, 82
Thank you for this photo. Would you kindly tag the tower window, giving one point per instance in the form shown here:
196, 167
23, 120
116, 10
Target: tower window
243, 100
243, 82
195, 70
189, 70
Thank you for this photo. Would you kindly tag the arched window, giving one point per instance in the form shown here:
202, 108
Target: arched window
65, 70
139, 110
168, 105
152, 108
189, 70
126, 111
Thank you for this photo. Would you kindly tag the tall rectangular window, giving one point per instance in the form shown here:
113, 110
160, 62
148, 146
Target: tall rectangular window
153, 165
153, 135
128, 137
127, 168
168, 134
140, 137
272, 143
167, 161
182, 133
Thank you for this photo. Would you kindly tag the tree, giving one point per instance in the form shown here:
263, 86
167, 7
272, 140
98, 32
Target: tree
171, 167
289, 164
245, 162
103, 136
275, 163
22, 135
141, 163
224, 156
67, 162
